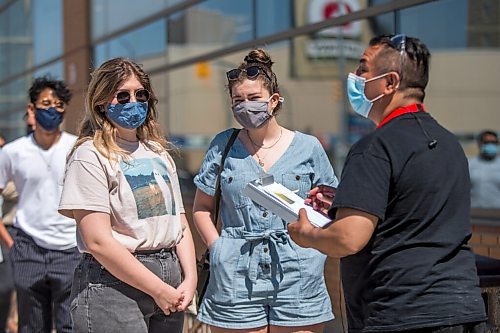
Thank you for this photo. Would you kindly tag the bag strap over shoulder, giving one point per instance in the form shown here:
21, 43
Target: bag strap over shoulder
203, 265
221, 168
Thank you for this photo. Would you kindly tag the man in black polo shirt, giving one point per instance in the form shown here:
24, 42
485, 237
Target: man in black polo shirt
401, 210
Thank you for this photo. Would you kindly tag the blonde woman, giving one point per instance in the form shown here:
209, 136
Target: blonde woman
138, 270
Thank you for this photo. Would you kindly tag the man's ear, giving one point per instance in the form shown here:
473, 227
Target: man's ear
393, 80
30, 107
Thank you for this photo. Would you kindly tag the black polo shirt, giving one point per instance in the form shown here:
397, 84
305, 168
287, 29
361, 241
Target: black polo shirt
417, 270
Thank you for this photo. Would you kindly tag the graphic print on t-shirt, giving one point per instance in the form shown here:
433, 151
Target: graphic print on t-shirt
151, 186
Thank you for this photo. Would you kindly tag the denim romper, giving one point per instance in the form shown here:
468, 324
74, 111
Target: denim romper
259, 276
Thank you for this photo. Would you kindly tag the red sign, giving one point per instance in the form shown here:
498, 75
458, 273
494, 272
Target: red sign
320, 10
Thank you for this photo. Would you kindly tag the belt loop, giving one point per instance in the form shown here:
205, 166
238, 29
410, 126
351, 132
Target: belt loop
161, 252
167, 252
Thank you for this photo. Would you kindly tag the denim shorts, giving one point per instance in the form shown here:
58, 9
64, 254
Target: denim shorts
102, 303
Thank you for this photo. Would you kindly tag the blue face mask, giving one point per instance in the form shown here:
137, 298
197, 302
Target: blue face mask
49, 119
489, 149
129, 115
356, 93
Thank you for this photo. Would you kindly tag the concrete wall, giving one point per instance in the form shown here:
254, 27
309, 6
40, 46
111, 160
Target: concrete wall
463, 90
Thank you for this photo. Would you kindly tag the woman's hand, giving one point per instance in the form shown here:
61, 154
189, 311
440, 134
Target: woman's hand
169, 299
187, 289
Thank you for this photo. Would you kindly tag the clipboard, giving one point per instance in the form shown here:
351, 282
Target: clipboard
282, 201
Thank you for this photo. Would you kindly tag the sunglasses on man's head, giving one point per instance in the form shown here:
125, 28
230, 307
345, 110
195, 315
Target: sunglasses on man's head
251, 72
399, 42
123, 97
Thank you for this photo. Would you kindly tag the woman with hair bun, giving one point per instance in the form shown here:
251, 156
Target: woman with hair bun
260, 280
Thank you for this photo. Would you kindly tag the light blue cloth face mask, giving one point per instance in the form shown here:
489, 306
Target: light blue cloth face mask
356, 93
129, 115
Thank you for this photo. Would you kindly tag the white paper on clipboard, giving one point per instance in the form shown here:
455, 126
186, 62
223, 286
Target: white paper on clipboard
282, 201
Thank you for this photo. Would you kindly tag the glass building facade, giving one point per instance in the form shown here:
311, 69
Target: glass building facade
187, 46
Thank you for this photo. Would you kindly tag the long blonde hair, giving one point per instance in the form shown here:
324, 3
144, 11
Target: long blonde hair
104, 83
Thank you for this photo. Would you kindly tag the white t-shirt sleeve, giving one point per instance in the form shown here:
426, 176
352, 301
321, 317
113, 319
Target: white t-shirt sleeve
85, 185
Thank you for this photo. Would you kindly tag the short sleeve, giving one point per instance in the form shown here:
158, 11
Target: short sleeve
206, 178
323, 170
364, 185
85, 185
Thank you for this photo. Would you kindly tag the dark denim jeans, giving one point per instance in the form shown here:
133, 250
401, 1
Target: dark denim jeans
102, 303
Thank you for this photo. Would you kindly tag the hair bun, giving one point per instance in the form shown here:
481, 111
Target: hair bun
259, 56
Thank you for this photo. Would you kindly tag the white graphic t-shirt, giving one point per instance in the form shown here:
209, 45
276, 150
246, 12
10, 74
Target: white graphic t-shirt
141, 194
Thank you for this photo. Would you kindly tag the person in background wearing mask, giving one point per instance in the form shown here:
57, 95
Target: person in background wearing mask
485, 172
401, 210
44, 253
260, 280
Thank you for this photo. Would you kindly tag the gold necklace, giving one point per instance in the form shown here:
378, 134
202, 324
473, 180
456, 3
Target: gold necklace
256, 147
261, 160
268, 147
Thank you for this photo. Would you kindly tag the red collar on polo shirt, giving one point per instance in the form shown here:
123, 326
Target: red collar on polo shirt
403, 110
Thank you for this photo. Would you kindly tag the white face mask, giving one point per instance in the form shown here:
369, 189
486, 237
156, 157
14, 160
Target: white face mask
356, 93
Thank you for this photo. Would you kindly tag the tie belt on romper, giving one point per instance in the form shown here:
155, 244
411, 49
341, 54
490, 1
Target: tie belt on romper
274, 237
